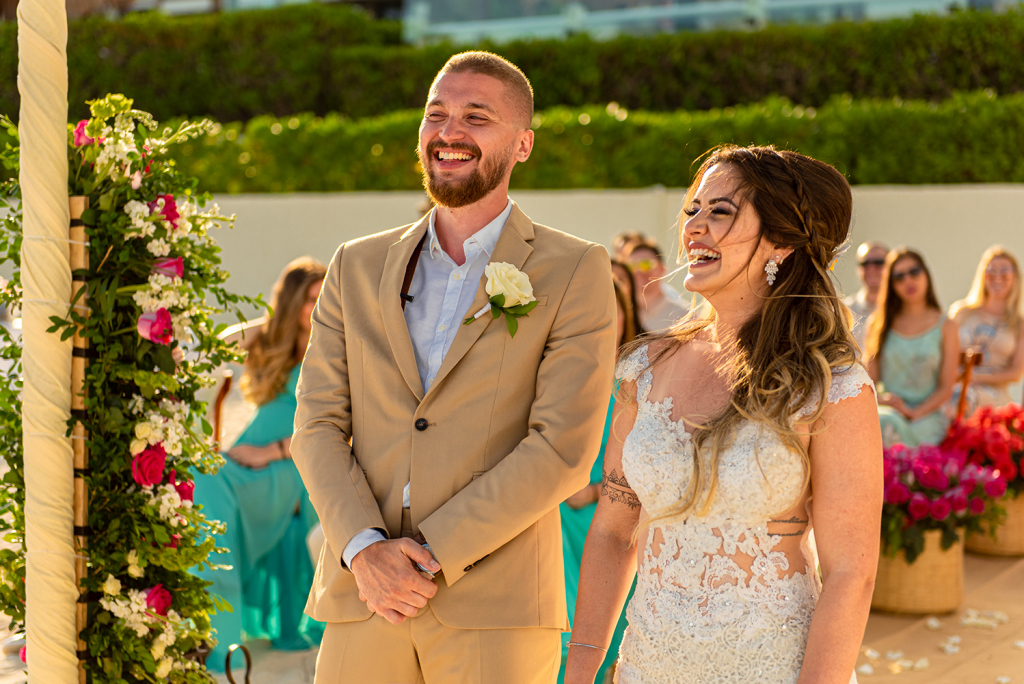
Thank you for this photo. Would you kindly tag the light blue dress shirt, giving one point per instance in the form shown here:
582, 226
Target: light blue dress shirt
442, 293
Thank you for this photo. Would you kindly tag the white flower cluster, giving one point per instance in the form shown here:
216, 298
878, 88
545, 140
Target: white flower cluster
164, 424
181, 323
166, 498
163, 293
131, 608
118, 143
134, 569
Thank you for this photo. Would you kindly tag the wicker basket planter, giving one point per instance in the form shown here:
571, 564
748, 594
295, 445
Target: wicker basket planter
1009, 539
933, 583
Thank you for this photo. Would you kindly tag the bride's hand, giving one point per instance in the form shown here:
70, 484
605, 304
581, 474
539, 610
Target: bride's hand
255, 457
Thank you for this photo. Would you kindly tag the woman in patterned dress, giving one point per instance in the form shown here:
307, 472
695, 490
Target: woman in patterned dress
725, 427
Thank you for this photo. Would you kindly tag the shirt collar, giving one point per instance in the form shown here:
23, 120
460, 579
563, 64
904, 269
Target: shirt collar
486, 237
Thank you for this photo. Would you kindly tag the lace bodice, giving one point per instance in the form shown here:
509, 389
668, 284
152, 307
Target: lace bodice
716, 599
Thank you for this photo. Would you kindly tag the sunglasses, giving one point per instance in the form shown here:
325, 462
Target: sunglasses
643, 266
909, 273
878, 263
997, 272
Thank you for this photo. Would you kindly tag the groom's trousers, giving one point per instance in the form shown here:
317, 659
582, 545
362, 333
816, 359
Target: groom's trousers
423, 651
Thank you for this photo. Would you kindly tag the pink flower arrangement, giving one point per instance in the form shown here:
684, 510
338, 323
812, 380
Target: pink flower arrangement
148, 465
994, 437
170, 267
159, 600
934, 488
169, 210
156, 326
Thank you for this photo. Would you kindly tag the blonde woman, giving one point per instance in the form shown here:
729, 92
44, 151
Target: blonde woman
258, 493
991, 322
724, 426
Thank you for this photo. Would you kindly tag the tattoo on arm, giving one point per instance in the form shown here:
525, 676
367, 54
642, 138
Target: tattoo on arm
617, 489
795, 520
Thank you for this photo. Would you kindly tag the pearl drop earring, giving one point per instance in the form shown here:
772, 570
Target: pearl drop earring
771, 268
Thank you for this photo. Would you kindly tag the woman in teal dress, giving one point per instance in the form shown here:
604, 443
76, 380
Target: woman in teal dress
258, 493
578, 510
912, 353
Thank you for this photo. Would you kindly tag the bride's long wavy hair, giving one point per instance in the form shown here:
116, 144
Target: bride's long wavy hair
786, 352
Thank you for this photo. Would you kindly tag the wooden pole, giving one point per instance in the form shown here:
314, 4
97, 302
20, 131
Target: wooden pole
79, 257
969, 359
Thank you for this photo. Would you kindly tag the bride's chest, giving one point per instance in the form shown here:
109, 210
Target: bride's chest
757, 473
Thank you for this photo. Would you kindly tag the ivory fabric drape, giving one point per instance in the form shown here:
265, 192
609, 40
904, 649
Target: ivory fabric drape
46, 278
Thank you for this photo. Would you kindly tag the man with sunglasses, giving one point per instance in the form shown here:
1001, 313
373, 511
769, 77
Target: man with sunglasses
870, 263
658, 309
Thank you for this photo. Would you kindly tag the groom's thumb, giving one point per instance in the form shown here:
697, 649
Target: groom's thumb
421, 555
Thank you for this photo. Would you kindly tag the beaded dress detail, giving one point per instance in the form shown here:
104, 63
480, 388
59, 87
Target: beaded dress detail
715, 602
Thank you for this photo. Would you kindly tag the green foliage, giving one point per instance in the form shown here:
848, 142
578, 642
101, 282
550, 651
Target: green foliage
324, 58
142, 415
970, 138
233, 65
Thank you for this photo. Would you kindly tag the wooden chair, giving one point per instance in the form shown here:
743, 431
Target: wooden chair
218, 406
968, 360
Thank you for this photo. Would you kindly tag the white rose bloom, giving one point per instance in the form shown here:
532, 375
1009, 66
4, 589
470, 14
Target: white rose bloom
138, 446
506, 279
158, 648
163, 668
143, 430
112, 586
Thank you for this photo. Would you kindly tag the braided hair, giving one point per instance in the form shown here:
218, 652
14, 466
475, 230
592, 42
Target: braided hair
786, 352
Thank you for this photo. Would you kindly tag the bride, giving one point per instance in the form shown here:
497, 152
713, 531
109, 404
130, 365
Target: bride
727, 425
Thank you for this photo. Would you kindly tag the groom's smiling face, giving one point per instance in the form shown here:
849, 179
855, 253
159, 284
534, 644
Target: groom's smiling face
470, 138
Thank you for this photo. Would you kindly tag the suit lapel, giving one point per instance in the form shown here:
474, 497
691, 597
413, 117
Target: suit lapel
399, 255
513, 247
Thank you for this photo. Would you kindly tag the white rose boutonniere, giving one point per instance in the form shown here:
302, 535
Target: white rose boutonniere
510, 294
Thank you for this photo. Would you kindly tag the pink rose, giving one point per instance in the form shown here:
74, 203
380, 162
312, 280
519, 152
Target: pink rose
23, 654
897, 494
933, 478
158, 600
156, 326
995, 488
169, 210
81, 138
977, 505
172, 268
940, 509
920, 506
186, 490
148, 465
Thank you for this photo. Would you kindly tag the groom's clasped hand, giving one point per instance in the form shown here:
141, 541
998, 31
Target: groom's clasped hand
388, 580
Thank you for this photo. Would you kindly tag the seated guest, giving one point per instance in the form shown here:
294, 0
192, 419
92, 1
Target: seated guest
258, 494
659, 307
577, 511
870, 260
912, 353
991, 322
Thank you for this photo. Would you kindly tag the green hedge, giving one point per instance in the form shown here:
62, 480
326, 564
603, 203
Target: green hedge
970, 138
321, 59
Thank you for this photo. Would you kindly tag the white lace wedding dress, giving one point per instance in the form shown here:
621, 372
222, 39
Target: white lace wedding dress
715, 601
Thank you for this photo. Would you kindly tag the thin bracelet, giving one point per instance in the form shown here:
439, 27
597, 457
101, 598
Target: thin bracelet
597, 648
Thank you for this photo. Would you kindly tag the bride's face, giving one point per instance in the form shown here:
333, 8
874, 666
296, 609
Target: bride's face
722, 239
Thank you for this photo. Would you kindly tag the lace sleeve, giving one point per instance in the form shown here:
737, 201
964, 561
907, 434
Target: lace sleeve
846, 384
635, 368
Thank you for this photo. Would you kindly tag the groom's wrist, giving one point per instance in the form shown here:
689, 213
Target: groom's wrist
359, 542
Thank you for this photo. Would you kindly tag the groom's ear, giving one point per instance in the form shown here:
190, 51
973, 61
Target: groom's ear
524, 145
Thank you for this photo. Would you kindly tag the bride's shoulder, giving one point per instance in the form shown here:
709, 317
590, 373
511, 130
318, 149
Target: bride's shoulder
849, 381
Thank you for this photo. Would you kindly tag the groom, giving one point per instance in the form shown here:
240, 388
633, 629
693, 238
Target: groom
424, 439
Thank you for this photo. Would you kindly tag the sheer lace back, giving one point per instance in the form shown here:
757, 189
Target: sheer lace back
719, 598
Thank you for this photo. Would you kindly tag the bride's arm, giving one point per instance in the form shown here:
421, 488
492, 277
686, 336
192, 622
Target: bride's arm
846, 480
609, 559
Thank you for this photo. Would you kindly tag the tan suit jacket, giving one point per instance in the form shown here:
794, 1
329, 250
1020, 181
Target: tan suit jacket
512, 425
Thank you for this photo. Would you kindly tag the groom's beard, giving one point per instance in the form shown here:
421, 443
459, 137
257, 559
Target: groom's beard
453, 194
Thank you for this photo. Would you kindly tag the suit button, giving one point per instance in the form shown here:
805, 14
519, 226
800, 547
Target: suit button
421, 424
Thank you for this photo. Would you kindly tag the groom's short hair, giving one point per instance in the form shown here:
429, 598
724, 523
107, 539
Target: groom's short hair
517, 86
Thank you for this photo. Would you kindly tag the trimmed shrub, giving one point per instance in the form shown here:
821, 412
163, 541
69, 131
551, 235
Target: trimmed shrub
324, 58
970, 138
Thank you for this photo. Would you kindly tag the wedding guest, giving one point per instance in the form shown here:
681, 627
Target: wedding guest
624, 241
258, 493
991, 322
577, 511
870, 261
912, 352
722, 427
659, 310
624, 279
